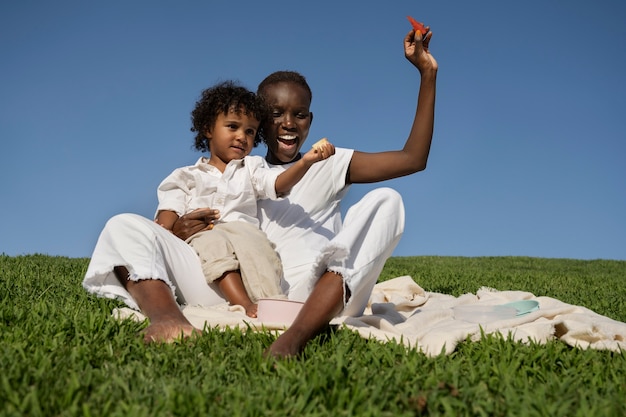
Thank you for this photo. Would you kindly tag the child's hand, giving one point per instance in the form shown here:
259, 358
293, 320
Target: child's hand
321, 150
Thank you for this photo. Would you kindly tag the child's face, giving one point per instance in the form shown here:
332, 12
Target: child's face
290, 120
232, 137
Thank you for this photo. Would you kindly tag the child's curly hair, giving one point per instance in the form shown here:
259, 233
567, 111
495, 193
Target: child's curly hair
222, 98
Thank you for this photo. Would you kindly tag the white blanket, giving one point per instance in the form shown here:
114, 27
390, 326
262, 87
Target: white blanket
401, 310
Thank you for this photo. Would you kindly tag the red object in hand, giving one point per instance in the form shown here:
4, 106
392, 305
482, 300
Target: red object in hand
417, 25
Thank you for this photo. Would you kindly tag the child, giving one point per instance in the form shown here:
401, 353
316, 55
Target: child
234, 252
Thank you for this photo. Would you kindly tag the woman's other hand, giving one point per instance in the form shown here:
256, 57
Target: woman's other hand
195, 222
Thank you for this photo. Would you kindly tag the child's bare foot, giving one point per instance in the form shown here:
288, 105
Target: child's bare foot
251, 310
168, 331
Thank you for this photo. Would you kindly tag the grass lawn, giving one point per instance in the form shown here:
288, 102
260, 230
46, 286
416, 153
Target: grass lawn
62, 354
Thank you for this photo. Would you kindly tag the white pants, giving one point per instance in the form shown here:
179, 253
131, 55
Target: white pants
371, 230
148, 251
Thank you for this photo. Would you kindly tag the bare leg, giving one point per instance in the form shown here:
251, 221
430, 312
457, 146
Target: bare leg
233, 289
324, 303
155, 299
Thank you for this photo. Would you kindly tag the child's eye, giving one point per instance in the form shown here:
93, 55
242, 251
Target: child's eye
302, 115
276, 114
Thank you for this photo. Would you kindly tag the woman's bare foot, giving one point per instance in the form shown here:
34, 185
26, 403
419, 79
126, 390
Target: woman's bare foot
287, 345
156, 301
324, 303
169, 331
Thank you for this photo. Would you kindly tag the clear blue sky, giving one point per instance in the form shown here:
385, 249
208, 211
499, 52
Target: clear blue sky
529, 151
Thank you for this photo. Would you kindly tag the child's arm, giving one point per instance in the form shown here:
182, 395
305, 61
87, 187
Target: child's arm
166, 218
321, 150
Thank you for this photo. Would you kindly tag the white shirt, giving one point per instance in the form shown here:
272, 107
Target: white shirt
302, 223
234, 192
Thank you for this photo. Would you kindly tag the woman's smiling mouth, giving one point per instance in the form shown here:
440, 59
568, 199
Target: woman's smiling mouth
287, 139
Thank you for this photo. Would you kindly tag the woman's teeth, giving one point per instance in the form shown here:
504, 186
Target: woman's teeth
288, 139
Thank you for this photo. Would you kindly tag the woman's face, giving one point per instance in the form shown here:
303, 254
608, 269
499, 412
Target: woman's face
289, 123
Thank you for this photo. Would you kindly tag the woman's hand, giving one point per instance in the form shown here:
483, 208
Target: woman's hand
195, 222
416, 50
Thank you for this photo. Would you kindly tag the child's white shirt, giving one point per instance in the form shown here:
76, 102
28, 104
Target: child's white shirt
234, 192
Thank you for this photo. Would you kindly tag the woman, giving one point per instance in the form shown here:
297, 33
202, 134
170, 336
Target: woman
330, 264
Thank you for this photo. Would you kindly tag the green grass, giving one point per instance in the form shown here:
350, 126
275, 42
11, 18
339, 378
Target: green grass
62, 354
